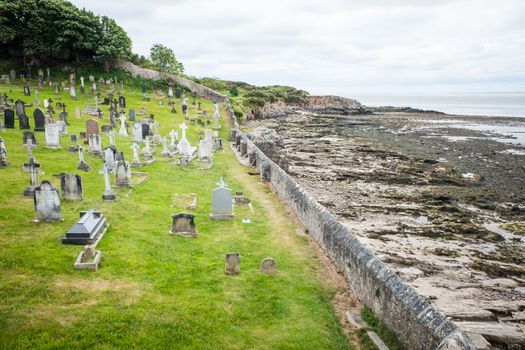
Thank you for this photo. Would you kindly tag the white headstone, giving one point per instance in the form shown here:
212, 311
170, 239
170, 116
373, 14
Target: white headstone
123, 131
52, 135
95, 146
136, 132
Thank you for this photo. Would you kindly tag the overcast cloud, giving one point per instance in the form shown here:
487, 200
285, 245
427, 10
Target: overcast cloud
336, 46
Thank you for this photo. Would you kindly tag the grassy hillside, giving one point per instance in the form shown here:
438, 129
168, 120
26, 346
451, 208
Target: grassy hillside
154, 290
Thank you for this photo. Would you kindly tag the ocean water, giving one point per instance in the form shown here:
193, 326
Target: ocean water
486, 104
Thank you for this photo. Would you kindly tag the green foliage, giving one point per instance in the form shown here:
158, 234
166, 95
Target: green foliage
234, 91
164, 59
376, 325
37, 30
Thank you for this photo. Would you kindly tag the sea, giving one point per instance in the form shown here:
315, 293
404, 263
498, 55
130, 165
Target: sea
480, 104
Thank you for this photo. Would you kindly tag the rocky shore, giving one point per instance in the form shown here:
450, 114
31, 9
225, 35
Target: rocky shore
440, 198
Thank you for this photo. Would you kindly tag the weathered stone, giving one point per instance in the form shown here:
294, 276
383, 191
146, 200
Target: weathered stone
47, 202
232, 264
183, 224
71, 185
269, 266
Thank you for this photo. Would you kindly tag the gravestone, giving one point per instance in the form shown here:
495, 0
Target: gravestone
3, 153
28, 135
40, 120
136, 160
9, 119
123, 130
74, 138
204, 151
144, 90
269, 266
47, 203
218, 144
12, 74
108, 195
232, 264
71, 185
82, 165
92, 127
145, 131
122, 101
183, 224
88, 229
27, 91
95, 145
32, 166
109, 158
222, 208
132, 116
136, 132
20, 108
52, 136
23, 122
123, 174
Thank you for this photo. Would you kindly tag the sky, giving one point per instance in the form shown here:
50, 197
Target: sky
335, 46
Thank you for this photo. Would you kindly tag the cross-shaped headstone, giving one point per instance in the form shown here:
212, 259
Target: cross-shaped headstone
183, 127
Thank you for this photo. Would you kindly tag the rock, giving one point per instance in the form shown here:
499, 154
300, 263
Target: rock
470, 315
376, 340
478, 340
495, 332
355, 319
499, 282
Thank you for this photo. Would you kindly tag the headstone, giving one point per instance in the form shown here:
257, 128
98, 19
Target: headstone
174, 135
232, 264
108, 195
72, 92
204, 151
3, 153
123, 131
82, 164
74, 138
132, 116
12, 74
20, 108
33, 167
123, 174
23, 121
269, 266
52, 136
9, 119
147, 152
95, 145
136, 160
143, 86
183, 224
122, 101
71, 186
36, 102
40, 119
221, 201
87, 230
47, 203
184, 162
109, 158
28, 135
136, 132
145, 131
185, 105
165, 151
218, 144
92, 127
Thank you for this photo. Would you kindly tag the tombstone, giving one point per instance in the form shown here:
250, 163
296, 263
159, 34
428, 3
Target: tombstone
218, 144
269, 266
123, 131
74, 138
3, 153
12, 74
95, 145
87, 230
109, 155
108, 195
20, 108
221, 202
123, 174
82, 164
71, 186
204, 151
165, 151
174, 135
184, 162
52, 136
183, 224
136, 163
136, 132
36, 102
132, 116
23, 121
78, 113
92, 127
72, 92
143, 86
29, 136
184, 105
122, 101
47, 203
145, 131
40, 120
170, 91
9, 119
232, 264
147, 153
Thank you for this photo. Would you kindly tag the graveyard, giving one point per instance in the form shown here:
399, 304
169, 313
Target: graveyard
152, 286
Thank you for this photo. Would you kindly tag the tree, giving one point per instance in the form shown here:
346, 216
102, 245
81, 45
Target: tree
164, 59
114, 41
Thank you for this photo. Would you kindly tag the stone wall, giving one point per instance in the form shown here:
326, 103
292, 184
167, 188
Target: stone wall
151, 74
416, 322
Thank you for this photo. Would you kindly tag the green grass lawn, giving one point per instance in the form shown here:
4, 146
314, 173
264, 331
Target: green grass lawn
154, 290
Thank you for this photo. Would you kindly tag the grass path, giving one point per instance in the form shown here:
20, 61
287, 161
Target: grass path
155, 290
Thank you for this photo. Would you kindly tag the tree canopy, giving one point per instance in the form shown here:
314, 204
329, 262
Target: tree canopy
42, 29
164, 59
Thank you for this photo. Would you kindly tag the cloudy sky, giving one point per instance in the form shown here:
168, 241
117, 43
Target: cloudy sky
343, 47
